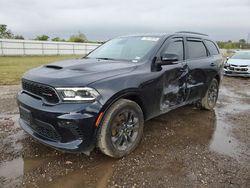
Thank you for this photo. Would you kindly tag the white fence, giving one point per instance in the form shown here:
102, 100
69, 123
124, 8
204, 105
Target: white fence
10, 47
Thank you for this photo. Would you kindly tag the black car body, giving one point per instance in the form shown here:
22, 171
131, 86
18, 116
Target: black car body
157, 87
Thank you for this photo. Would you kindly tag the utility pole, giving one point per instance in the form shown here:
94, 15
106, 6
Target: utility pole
248, 37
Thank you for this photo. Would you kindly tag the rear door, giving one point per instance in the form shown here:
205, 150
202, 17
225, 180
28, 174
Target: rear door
174, 76
198, 62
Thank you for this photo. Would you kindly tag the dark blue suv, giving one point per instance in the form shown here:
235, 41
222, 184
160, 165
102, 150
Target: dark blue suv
103, 99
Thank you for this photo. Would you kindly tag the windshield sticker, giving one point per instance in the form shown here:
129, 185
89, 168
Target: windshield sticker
150, 38
137, 57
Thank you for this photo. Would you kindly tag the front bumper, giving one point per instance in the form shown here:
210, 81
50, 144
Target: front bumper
238, 71
64, 126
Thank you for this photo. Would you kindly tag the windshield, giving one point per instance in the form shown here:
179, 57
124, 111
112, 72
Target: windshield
125, 48
241, 55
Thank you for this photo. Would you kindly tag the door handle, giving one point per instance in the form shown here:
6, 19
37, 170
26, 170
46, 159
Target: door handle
212, 64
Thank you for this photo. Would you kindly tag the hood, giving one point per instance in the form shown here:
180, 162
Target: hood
239, 62
77, 73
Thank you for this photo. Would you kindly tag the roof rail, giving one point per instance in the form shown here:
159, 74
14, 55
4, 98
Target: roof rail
190, 32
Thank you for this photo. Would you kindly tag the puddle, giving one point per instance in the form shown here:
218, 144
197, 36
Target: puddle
19, 166
12, 169
225, 92
97, 176
223, 140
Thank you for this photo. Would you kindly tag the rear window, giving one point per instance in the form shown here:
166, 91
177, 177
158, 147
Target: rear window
213, 50
196, 49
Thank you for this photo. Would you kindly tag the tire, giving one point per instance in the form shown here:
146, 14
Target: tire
120, 133
208, 102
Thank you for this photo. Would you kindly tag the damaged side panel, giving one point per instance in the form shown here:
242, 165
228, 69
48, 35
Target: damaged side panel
174, 91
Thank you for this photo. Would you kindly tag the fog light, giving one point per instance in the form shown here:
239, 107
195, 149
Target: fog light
66, 123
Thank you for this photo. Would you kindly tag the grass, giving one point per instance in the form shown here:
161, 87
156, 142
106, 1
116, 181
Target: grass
12, 68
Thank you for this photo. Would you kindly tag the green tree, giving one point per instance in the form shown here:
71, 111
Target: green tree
242, 41
5, 33
228, 45
234, 45
80, 37
58, 39
20, 37
42, 37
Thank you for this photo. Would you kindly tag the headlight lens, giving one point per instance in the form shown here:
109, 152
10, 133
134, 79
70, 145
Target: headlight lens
78, 94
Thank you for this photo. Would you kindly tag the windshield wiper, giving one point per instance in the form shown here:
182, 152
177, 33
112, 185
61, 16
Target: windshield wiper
105, 58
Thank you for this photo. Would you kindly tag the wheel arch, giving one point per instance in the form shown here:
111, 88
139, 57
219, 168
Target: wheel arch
132, 95
217, 77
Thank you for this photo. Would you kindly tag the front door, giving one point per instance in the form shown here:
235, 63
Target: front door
174, 77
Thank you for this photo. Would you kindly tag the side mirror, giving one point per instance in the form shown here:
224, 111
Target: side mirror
168, 59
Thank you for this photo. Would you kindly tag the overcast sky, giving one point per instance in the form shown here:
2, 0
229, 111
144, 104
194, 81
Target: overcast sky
104, 19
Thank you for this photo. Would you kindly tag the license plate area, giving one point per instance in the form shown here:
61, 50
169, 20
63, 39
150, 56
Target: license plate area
229, 72
25, 115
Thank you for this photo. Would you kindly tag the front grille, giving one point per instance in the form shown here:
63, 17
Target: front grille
45, 130
237, 68
41, 90
238, 65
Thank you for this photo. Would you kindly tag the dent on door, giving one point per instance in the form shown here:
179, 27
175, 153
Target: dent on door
174, 88
197, 76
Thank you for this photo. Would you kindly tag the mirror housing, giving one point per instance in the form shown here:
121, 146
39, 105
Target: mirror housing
168, 59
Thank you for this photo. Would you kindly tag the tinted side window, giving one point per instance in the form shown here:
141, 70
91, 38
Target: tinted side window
196, 49
175, 47
212, 48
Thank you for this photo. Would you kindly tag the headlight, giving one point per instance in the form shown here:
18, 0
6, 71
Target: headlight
78, 94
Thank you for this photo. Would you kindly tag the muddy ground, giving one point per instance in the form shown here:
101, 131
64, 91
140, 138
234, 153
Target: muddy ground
187, 147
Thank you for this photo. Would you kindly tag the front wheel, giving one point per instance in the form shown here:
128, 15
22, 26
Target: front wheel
208, 102
121, 129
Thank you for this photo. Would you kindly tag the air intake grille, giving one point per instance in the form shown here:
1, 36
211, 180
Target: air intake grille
41, 90
45, 129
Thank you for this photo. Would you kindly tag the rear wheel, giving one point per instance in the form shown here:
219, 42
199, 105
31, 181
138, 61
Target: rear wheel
208, 102
121, 129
